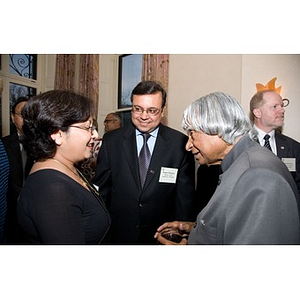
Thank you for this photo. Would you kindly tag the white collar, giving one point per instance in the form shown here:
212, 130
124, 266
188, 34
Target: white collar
262, 133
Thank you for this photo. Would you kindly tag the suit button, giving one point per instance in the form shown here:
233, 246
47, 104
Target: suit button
140, 205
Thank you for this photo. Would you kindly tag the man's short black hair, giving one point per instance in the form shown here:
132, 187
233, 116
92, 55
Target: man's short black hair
149, 88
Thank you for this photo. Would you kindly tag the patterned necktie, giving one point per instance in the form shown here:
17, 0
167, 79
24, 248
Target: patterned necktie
144, 159
267, 144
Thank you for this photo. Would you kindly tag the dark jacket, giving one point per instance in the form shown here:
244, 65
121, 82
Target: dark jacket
137, 213
15, 184
289, 148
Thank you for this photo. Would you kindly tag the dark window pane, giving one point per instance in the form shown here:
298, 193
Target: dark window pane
24, 65
18, 90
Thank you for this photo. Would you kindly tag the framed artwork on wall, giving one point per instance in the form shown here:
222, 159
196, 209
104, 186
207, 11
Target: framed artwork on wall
130, 74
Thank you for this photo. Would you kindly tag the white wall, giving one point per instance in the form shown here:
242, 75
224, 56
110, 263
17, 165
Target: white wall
192, 76
108, 87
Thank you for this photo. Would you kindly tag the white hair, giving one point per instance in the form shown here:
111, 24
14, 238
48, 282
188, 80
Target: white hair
218, 114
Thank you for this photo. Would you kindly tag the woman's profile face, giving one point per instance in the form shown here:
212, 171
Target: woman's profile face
78, 141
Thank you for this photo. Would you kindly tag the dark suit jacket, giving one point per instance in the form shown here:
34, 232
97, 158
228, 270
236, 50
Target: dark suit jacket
289, 148
137, 213
15, 184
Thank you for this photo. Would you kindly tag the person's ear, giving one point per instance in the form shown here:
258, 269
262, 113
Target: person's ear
13, 118
163, 110
57, 137
257, 113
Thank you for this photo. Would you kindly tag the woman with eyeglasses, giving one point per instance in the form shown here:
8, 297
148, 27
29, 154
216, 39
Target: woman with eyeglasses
58, 205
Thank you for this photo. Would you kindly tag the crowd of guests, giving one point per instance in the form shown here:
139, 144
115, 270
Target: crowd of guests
63, 184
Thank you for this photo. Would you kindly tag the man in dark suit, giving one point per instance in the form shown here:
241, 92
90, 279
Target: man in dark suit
19, 167
267, 114
138, 208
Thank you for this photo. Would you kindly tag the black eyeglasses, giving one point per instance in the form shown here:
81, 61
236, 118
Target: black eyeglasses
90, 129
150, 111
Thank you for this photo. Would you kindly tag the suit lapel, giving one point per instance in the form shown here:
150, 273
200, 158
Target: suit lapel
281, 145
130, 150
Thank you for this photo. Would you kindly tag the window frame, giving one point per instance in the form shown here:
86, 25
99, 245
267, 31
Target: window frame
6, 78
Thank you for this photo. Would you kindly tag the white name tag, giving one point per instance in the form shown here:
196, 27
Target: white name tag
168, 175
290, 163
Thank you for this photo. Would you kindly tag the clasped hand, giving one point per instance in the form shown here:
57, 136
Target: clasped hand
183, 229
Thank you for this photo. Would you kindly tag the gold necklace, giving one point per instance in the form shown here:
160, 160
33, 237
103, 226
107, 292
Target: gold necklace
90, 186
76, 174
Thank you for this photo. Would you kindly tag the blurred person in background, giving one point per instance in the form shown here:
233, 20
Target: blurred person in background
19, 167
112, 121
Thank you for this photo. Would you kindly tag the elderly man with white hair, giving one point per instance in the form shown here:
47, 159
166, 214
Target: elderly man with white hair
256, 201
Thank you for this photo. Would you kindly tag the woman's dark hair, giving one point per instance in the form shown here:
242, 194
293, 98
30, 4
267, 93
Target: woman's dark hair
149, 88
49, 112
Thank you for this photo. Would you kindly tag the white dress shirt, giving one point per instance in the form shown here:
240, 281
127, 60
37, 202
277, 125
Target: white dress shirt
272, 141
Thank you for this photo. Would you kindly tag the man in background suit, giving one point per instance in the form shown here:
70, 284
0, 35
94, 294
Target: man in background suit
19, 167
137, 209
267, 115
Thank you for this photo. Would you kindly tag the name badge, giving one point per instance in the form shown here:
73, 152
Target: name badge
168, 175
290, 163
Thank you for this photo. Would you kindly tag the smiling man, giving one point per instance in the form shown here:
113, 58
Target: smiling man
139, 205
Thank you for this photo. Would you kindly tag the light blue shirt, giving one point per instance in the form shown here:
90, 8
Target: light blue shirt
151, 141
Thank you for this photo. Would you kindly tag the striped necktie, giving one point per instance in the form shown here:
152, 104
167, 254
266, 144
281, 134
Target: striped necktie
267, 143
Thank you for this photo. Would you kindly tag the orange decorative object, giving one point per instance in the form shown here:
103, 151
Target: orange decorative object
269, 86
